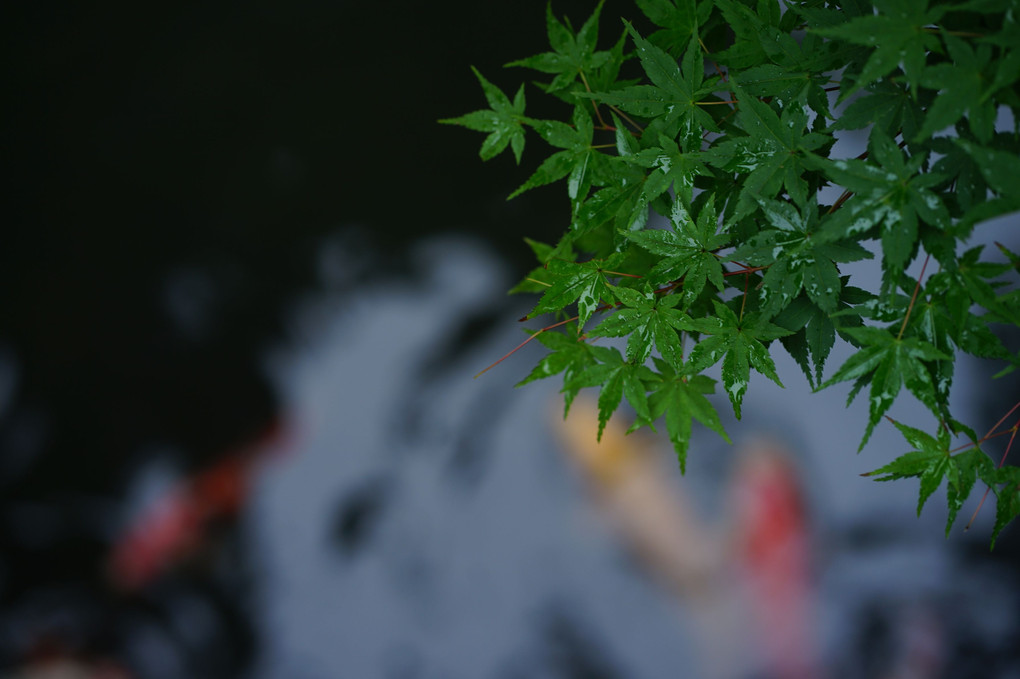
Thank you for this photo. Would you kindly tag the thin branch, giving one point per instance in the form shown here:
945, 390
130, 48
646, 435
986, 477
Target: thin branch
913, 298
946, 31
1002, 419
626, 118
605, 307
598, 113
723, 74
509, 353
745, 270
743, 300
990, 434
839, 201
999, 466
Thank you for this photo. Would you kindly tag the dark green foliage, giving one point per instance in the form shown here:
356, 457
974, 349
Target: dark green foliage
730, 134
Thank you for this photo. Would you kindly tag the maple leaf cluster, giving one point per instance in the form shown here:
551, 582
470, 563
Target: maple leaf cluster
723, 121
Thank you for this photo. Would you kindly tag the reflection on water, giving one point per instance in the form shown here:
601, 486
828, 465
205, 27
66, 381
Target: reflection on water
424, 524
398, 518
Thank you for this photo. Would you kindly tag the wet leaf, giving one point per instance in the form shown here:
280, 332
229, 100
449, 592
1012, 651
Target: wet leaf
682, 400
647, 318
687, 250
504, 120
712, 209
889, 363
738, 343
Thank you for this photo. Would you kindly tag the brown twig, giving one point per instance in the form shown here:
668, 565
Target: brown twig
913, 298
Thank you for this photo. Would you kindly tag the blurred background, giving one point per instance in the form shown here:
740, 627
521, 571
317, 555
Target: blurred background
246, 281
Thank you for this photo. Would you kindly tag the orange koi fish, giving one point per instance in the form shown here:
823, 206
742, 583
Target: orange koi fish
175, 526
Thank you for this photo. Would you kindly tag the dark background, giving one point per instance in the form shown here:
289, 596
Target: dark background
172, 173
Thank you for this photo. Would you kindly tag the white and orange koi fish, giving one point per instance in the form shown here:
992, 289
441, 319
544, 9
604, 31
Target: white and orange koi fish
748, 587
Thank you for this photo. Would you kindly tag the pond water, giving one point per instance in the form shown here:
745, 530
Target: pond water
421, 523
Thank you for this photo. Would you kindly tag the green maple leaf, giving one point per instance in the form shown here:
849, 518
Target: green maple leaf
627, 145
618, 378
738, 343
814, 335
772, 155
819, 16
964, 470
797, 258
646, 318
539, 278
688, 250
971, 188
963, 87
1007, 498
944, 320
675, 169
934, 325
569, 355
771, 62
965, 282
890, 194
814, 330
1013, 257
786, 85
614, 210
503, 120
572, 53
678, 21
585, 282
605, 77
897, 37
889, 362
682, 400
999, 169
747, 27
1009, 35
931, 462
888, 105
576, 162
675, 92
807, 64
622, 205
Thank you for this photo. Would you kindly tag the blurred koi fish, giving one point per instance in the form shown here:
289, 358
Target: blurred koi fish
175, 527
774, 552
758, 565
